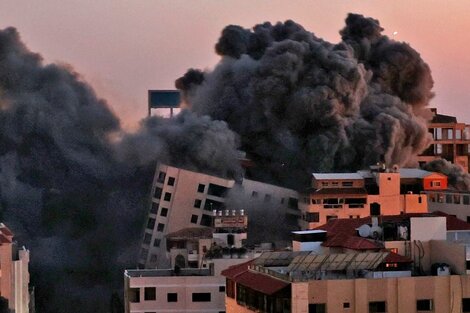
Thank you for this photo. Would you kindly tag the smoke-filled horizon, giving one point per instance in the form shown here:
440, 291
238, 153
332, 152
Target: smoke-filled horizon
302, 105
74, 184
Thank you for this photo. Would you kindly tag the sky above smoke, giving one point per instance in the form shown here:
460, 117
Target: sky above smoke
146, 44
301, 104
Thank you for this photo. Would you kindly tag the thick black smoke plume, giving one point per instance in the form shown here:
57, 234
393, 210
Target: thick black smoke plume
301, 104
73, 185
458, 178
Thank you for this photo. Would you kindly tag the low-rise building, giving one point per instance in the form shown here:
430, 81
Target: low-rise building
450, 141
351, 195
353, 268
14, 275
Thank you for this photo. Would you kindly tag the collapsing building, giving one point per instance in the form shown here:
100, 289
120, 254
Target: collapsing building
193, 282
183, 198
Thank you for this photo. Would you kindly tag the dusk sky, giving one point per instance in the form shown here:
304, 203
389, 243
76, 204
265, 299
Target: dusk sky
124, 48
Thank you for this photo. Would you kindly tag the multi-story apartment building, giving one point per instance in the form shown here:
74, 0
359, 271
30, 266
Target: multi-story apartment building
350, 195
183, 198
345, 267
451, 141
14, 276
197, 256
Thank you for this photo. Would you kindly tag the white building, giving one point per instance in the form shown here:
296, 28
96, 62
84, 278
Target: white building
183, 198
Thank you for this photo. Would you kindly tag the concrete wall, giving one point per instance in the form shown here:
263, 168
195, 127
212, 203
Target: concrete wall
453, 254
184, 287
400, 294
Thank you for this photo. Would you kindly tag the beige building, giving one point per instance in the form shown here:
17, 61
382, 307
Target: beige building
451, 141
350, 195
351, 273
183, 198
14, 273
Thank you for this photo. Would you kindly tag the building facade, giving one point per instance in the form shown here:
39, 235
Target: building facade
183, 198
350, 195
450, 141
351, 273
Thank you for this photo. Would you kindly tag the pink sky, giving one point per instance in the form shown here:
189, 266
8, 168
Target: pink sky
124, 48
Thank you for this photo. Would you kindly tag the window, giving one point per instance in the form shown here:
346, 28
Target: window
449, 198
466, 305
347, 184
197, 203
167, 196
468, 265
171, 181
267, 198
324, 184
254, 194
153, 258
164, 212
438, 133
221, 288
194, 219
450, 133
143, 254
201, 188
201, 297
317, 308
424, 305
158, 193
151, 223
150, 293
134, 295
377, 307
293, 203
210, 205
161, 177
346, 305
438, 148
147, 238
330, 217
466, 200
206, 220
313, 217
172, 297
154, 208
217, 190
435, 183
420, 200
160, 227
458, 134
156, 242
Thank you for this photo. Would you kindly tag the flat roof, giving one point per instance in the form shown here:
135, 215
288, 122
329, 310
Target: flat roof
306, 232
354, 176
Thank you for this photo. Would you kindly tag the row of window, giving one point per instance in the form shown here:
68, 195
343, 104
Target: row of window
150, 294
449, 198
336, 184
314, 217
151, 225
448, 133
422, 305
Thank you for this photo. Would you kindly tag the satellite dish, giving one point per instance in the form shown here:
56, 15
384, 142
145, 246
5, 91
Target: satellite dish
364, 230
375, 232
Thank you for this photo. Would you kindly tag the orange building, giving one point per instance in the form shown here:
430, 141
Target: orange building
350, 195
